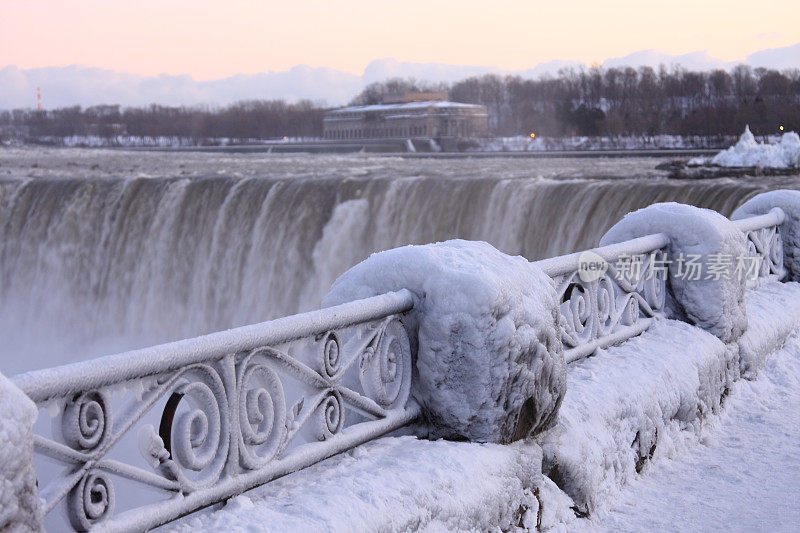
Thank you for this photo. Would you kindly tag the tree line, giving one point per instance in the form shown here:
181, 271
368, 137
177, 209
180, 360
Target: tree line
587, 101
257, 119
626, 101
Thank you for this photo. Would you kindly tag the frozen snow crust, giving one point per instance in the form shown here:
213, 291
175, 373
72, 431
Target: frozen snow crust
716, 305
627, 400
19, 501
489, 366
393, 484
740, 475
789, 202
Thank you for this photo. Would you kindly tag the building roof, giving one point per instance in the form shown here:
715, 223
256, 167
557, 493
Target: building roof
405, 106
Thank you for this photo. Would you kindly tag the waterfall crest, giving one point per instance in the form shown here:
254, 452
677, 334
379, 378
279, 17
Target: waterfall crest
91, 266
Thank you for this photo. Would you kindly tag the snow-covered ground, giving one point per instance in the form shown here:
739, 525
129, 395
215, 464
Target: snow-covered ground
742, 475
747, 152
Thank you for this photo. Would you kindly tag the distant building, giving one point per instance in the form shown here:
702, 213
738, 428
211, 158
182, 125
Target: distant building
407, 116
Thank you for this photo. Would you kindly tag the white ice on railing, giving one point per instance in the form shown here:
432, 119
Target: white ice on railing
619, 301
217, 415
489, 357
608, 294
764, 242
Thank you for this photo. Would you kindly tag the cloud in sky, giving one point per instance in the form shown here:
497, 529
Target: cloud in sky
211, 40
64, 86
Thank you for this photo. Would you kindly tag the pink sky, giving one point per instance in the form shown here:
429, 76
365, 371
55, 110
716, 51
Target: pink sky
216, 39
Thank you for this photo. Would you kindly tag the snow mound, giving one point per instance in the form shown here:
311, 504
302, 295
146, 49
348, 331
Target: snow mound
748, 152
393, 484
716, 305
490, 365
19, 501
629, 400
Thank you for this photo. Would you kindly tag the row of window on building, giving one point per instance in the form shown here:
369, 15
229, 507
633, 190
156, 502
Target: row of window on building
371, 133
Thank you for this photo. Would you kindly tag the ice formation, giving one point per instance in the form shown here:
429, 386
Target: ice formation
489, 351
19, 502
748, 152
716, 305
630, 411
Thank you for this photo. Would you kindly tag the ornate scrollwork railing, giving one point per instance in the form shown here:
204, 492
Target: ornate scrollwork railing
220, 414
608, 305
620, 300
764, 246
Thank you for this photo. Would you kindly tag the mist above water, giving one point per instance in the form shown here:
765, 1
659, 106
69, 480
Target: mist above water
95, 258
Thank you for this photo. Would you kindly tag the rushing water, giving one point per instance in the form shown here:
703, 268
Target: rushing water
102, 251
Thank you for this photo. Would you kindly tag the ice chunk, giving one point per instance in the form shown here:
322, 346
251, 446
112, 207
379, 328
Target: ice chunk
748, 152
716, 305
489, 353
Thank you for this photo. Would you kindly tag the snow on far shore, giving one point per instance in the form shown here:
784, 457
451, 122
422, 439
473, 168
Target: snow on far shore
524, 143
145, 141
519, 143
748, 152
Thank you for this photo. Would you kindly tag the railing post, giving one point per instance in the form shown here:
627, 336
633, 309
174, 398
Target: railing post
489, 363
789, 202
20, 509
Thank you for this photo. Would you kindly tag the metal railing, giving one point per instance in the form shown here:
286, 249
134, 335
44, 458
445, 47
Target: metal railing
615, 304
234, 410
764, 242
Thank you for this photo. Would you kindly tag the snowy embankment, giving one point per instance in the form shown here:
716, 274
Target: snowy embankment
626, 402
740, 475
747, 152
524, 143
649, 400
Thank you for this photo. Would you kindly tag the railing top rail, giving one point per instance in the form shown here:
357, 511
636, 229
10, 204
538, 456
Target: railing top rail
42, 385
775, 217
564, 264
